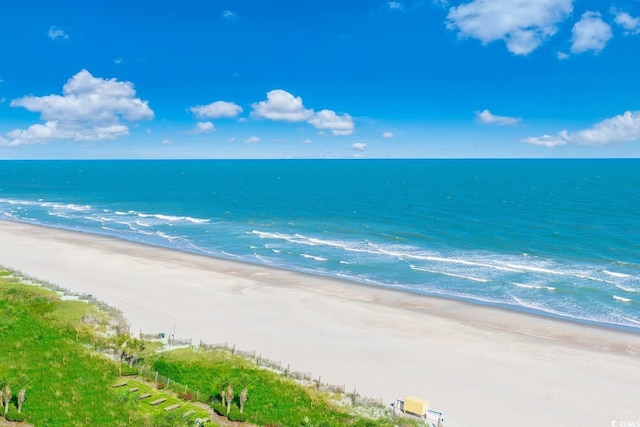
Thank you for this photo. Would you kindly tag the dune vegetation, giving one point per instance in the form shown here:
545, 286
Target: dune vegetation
68, 361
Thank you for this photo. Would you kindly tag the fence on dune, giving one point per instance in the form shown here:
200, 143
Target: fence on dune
304, 378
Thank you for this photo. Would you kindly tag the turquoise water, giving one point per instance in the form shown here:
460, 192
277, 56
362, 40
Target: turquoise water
556, 237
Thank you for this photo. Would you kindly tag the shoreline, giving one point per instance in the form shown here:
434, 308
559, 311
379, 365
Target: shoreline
482, 364
241, 268
515, 309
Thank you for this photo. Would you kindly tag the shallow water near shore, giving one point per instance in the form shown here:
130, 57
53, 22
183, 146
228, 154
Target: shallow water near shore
555, 237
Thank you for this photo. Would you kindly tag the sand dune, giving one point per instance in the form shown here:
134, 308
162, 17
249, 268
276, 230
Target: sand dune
481, 366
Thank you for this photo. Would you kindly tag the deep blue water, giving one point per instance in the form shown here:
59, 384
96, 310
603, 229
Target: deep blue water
558, 237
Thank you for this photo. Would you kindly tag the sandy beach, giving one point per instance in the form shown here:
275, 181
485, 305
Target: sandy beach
480, 365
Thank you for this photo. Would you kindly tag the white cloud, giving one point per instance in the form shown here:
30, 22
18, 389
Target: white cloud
40, 134
55, 32
590, 33
89, 99
359, 146
202, 127
522, 24
216, 110
252, 140
307, 141
90, 109
562, 56
487, 118
549, 140
328, 119
229, 14
621, 128
232, 139
282, 106
36, 134
387, 134
100, 133
117, 61
626, 21
396, 5
166, 142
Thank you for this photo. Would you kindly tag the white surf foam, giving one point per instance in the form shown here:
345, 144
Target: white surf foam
446, 273
530, 286
627, 289
317, 258
614, 274
631, 320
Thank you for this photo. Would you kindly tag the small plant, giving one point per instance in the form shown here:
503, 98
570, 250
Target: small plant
219, 409
21, 397
12, 415
229, 398
243, 398
7, 399
237, 416
186, 396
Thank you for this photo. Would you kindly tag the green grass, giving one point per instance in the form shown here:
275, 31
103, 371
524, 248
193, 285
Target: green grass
272, 398
48, 349
65, 383
56, 350
156, 415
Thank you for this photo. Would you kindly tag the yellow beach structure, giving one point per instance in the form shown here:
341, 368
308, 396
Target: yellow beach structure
415, 406
418, 407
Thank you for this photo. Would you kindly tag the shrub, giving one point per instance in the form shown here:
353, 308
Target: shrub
186, 396
16, 416
219, 409
236, 415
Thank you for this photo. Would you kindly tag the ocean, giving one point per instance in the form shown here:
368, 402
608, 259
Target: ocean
559, 238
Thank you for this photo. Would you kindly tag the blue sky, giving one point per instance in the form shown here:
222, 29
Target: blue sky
291, 79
